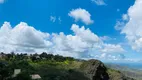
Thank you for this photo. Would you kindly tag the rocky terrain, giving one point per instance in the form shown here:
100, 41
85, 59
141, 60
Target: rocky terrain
96, 70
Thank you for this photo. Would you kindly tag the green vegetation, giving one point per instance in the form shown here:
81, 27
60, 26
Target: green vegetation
54, 67
48, 66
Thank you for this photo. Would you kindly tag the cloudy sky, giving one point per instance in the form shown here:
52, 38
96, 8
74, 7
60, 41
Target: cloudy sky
109, 30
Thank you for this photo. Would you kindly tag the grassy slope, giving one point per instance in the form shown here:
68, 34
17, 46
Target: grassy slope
67, 70
53, 70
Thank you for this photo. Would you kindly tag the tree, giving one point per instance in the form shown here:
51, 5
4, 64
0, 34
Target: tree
22, 76
59, 58
43, 55
5, 71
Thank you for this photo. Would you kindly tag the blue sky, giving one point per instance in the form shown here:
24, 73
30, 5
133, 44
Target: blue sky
37, 14
50, 17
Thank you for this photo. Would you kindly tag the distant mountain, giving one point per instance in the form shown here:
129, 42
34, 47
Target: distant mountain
134, 65
129, 70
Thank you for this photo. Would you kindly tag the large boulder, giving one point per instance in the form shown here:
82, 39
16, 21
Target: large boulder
94, 70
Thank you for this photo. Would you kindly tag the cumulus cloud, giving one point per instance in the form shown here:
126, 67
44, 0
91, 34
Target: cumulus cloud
133, 28
99, 2
81, 44
21, 37
81, 14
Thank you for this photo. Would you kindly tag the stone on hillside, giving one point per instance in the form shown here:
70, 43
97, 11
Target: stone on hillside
95, 70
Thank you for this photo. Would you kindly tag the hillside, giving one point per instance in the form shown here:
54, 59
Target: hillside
55, 67
130, 72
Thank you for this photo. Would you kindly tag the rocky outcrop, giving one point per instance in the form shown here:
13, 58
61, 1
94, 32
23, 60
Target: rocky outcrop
95, 70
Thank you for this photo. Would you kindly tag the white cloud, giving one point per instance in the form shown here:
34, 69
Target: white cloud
133, 28
53, 18
120, 24
107, 38
85, 34
109, 48
81, 14
99, 2
105, 56
21, 37
81, 44
125, 17
2, 1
